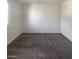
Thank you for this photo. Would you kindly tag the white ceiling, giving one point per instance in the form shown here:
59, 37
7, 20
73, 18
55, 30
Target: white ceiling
38, 1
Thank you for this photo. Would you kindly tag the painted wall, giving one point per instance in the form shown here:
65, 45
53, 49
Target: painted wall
41, 18
66, 19
14, 22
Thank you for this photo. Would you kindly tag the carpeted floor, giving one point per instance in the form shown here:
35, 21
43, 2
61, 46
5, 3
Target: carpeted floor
40, 46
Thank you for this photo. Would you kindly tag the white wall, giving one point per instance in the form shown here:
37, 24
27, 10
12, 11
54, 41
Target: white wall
14, 22
66, 19
41, 18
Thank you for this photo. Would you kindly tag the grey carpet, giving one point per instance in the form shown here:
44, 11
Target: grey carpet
40, 46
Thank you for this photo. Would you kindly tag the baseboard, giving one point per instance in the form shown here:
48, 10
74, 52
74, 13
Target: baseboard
14, 39
68, 37
38, 33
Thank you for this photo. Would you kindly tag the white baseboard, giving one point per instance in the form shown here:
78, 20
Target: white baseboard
67, 36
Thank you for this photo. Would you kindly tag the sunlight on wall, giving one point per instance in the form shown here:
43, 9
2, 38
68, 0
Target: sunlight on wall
34, 16
42, 18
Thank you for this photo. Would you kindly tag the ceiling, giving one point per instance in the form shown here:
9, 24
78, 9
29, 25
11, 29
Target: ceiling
38, 1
